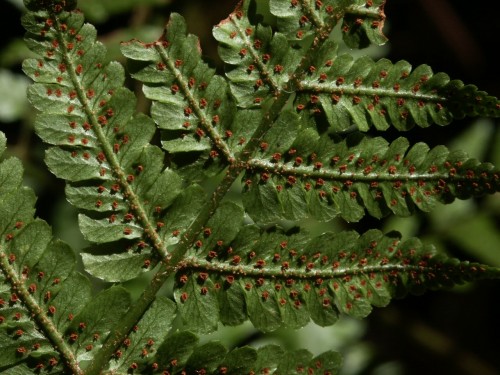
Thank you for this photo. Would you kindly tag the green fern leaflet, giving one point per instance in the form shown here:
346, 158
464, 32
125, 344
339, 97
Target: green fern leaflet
285, 134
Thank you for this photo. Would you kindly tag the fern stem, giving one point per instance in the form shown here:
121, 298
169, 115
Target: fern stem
249, 270
168, 266
360, 10
257, 59
337, 175
39, 315
333, 88
311, 14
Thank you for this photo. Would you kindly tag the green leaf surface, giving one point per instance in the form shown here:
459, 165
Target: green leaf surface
213, 356
362, 21
175, 351
205, 357
184, 212
197, 299
96, 321
190, 102
74, 294
151, 330
268, 357
239, 361
288, 279
363, 24
324, 177
40, 292
116, 267
262, 63
198, 305
381, 94
98, 144
298, 361
102, 231
300, 20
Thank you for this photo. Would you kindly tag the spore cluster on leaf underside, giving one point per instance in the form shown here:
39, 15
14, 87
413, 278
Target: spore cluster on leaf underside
323, 178
276, 278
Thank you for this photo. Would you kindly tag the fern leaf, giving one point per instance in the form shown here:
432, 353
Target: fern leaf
304, 20
282, 85
184, 353
198, 312
103, 262
97, 320
300, 20
277, 278
269, 357
262, 63
323, 178
190, 102
47, 317
99, 146
382, 94
363, 24
150, 347
338, 89
144, 340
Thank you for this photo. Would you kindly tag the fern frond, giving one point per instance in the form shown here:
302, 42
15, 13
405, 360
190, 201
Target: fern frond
190, 102
338, 89
382, 94
220, 231
270, 359
47, 317
277, 120
262, 62
277, 278
265, 63
151, 347
100, 147
185, 354
300, 20
323, 177
144, 341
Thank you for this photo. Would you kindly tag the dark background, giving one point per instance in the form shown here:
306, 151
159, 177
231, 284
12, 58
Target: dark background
453, 332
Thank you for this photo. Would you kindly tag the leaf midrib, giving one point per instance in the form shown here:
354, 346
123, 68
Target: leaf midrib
347, 89
39, 315
212, 131
281, 169
135, 203
249, 270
